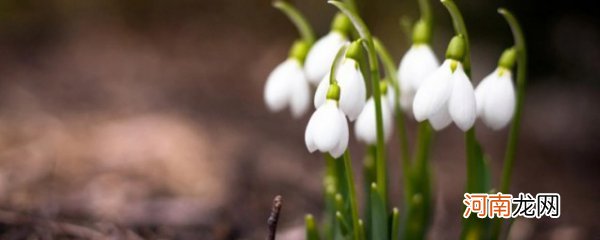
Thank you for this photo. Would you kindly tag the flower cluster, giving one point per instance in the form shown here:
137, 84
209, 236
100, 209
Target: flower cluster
435, 95
441, 94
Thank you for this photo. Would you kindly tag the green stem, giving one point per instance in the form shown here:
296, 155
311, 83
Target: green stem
352, 5
390, 68
511, 146
417, 189
336, 61
330, 183
422, 153
460, 28
426, 15
472, 227
521, 79
298, 19
353, 202
362, 29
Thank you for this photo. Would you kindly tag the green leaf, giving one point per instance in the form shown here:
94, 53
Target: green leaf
395, 224
311, 229
342, 224
379, 218
298, 19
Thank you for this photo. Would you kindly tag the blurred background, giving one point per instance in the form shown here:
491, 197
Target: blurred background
145, 118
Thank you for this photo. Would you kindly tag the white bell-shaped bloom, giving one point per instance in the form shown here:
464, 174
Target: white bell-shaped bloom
446, 96
327, 130
365, 127
353, 91
416, 65
321, 55
495, 96
287, 86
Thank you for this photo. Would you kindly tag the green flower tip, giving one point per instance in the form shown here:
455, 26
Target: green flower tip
338, 197
373, 186
502, 11
299, 50
421, 32
383, 87
395, 211
341, 23
333, 93
508, 58
278, 3
456, 48
355, 50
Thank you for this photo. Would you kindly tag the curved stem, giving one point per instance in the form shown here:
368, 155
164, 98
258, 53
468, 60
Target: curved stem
460, 28
352, 5
362, 29
511, 146
390, 68
426, 15
472, 227
298, 19
521, 79
336, 61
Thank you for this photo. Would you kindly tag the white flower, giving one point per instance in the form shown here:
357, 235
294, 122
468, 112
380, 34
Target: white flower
365, 127
353, 92
327, 130
495, 96
287, 85
415, 66
446, 96
321, 55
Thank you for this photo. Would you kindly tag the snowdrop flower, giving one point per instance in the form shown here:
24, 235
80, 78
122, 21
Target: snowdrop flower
495, 94
322, 54
327, 129
365, 127
287, 85
418, 62
352, 84
447, 94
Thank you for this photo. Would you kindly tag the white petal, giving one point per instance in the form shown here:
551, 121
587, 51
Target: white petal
327, 130
277, 89
365, 127
338, 150
353, 92
416, 65
299, 93
441, 119
309, 136
321, 92
390, 96
433, 93
499, 102
321, 55
482, 89
461, 105
388, 119
406, 99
